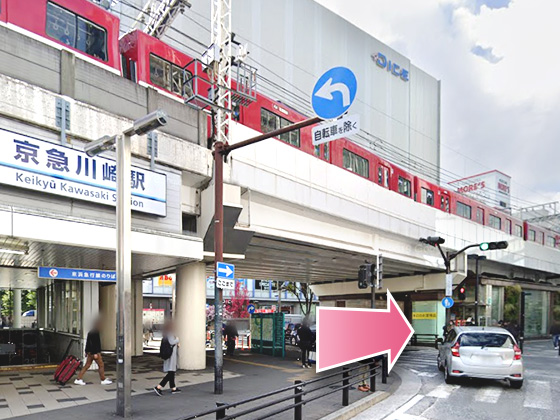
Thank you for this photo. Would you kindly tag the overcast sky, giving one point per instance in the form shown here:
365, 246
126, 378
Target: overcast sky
499, 63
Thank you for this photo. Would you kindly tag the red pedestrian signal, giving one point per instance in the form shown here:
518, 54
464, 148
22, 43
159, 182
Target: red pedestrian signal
462, 293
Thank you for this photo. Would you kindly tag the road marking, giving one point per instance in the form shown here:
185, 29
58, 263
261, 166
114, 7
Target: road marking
488, 395
400, 413
443, 391
428, 374
538, 395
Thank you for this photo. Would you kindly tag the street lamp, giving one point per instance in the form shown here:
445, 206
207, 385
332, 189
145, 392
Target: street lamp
141, 126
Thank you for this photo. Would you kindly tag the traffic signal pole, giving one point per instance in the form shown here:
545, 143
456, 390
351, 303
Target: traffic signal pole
221, 150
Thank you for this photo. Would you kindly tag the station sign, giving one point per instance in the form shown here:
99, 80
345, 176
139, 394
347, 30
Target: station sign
31, 163
333, 130
58, 273
334, 93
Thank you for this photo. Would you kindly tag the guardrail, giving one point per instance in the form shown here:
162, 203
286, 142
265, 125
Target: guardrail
424, 338
299, 394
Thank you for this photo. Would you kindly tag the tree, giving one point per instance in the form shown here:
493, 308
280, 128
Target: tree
304, 295
29, 300
237, 307
511, 304
7, 299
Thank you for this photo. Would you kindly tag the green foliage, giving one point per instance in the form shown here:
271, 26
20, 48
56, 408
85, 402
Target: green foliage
512, 302
28, 301
7, 299
304, 295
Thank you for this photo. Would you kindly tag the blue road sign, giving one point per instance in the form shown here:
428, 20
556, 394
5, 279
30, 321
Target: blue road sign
251, 308
334, 92
76, 274
447, 302
226, 271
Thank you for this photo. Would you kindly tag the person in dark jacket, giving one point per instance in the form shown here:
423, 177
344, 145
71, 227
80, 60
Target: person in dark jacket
231, 335
555, 332
305, 336
93, 352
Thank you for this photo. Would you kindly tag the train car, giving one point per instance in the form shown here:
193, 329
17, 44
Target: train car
149, 61
77, 25
3, 9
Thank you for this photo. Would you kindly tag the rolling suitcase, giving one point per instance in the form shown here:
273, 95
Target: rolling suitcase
67, 368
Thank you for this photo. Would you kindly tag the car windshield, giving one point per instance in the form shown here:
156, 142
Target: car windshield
485, 340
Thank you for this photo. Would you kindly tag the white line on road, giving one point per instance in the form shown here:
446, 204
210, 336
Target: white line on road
428, 374
400, 413
443, 391
537, 395
488, 395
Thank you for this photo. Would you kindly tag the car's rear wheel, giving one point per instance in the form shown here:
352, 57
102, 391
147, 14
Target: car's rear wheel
448, 378
516, 384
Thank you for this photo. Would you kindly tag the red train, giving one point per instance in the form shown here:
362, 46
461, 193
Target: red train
92, 32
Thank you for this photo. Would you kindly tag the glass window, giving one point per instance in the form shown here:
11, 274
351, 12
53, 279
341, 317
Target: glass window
380, 175
519, 231
326, 151
541, 238
427, 196
532, 235
76, 32
485, 340
480, 215
464, 210
317, 150
550, 241
404, 186
444, 204
64, 306
271, 122
495, 222
355, 163
508, 226
168, 76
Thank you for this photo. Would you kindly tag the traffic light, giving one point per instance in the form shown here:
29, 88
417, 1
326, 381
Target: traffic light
433, 240
462, 293
364, 276
491, 246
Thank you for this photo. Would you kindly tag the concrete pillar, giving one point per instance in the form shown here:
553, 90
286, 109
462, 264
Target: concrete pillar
190, 315
108, 312
90, 307
17, 309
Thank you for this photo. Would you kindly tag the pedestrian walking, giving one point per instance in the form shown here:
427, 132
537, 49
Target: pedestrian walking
168, 352
93, 353
305, 336
231, 334
555, 332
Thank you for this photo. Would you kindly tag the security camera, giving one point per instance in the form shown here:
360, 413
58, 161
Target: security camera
103, 144
150, 122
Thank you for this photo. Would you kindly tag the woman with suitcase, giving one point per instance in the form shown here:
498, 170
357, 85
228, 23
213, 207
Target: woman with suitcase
93, 352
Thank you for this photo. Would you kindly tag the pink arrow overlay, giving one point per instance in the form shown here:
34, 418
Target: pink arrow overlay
346, 335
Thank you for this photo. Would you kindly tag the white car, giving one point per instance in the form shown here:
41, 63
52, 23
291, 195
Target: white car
481, 352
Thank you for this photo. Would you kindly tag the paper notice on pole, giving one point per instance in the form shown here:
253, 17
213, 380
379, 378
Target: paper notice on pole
448, 284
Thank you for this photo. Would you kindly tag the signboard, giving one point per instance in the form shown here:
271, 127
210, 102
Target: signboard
383, 62
424, 315
334, 92
447, 302
251, 308
449, 285
76, 274
34, 164
492, 188
225, 283
337, 129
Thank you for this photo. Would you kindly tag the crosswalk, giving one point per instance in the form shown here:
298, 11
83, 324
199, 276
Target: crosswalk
423, 362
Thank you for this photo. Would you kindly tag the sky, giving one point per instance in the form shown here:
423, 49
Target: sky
499, 64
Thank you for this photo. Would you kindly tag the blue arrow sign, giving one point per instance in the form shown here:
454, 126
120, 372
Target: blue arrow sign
447, 302
334, 92
225, 271
251, 309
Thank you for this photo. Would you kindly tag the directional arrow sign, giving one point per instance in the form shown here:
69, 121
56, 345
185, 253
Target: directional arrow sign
225, 271
346, 335
334, 92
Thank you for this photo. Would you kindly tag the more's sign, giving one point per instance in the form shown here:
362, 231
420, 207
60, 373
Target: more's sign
39, 165
492, 188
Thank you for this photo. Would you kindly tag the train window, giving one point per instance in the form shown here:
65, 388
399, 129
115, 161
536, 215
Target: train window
550, 241
355, 163
541, 238
404, 186
519, 231
317, 150
444, 204
532, 235
326, 151
168, 76
508, 226
480, 215
464, 210
495, 222
427, 196
76, 32
271, 122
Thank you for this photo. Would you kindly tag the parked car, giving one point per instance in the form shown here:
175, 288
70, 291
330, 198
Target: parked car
481, 352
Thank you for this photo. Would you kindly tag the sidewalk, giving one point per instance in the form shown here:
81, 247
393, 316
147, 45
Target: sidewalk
35, 396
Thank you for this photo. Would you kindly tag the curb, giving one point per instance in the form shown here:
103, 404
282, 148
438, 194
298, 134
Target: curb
356, 408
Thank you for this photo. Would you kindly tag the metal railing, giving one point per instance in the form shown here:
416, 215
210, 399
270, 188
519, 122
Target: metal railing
304, 392
425, 339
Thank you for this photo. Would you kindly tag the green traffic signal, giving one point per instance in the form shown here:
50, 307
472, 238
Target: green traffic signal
490, 246
483, 246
